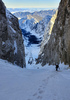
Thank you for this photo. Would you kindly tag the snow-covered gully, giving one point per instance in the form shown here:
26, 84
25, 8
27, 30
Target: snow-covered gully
33, 84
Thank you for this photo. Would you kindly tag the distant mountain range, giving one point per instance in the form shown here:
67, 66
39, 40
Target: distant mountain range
41, 13
13, 10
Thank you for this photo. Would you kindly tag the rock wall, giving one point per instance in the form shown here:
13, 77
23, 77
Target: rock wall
57, 49
11, 41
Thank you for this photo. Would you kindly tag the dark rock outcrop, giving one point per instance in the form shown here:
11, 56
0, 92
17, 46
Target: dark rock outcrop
57, 48
11, 41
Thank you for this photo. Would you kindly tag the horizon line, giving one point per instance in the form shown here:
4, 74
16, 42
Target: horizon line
34, 7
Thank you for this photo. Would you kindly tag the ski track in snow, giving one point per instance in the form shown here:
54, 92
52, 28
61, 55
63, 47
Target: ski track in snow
33, 84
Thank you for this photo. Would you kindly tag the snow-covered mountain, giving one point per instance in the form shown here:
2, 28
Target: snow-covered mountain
35, 26
20, 15
36, 11
35, 22
41, 14
39, 28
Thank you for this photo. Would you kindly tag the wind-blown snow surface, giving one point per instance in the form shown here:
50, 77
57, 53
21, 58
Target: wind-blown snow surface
34, 84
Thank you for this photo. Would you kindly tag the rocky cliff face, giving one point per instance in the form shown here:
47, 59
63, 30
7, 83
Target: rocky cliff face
57, 49
11, 42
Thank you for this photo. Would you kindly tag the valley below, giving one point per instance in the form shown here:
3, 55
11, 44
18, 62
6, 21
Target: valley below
33, 26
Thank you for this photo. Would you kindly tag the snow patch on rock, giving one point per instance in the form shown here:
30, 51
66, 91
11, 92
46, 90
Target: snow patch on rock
15, 46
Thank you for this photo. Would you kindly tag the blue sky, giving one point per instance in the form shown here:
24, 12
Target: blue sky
31, 3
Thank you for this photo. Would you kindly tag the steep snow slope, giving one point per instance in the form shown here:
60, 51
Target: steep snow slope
33, 84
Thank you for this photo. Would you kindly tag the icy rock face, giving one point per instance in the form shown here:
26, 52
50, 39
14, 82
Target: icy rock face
58, 46
11, 41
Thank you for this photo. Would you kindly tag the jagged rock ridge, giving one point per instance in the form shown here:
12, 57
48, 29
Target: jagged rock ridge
11, 41
57, 48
